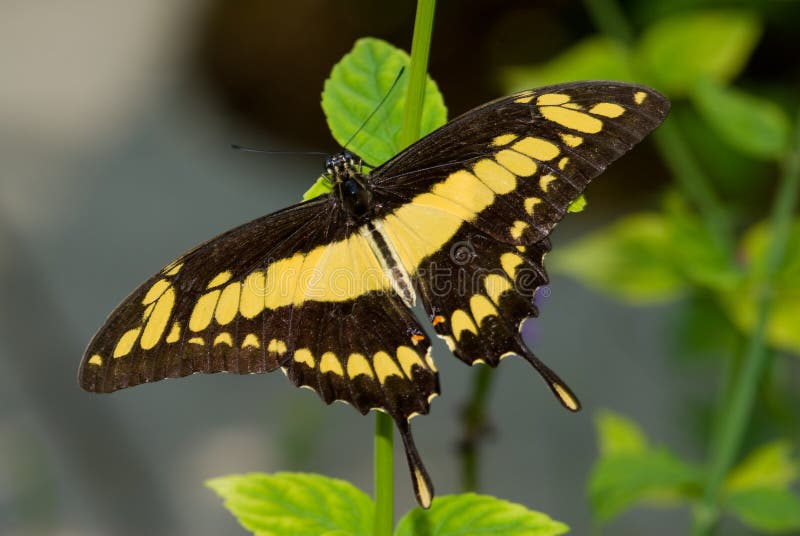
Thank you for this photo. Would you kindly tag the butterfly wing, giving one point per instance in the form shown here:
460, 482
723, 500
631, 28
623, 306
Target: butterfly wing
299, 289
471, 205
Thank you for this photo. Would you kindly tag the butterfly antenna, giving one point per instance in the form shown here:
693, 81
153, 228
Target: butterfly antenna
237, 147
378, 107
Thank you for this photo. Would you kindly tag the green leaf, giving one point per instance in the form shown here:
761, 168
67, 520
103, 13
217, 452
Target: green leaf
469, 514
656, 477
320, 186
617, 434
782, 329
769, 466
594, 58
678, 51
578, 205
633, 260
766, 509
755, 126
355, 88
295, 503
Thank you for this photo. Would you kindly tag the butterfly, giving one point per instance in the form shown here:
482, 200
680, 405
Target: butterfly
324, 289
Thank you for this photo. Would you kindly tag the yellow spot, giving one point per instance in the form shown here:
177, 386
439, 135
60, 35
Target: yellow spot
552, 99
562, 164
545, 181
524, 100
481, 308
565, 397
420, 228
478, 361
228, 304
385, 366
521, 249
148, 311
516, 163
156, 291
438, 319
408, 358
496, 177
174, 333
423, 491
509, 262
530, 203
126, 342
571, 140
253, 290
173, 269
358, 364
607, 109
464, 188
462, 322
537, 148
503, 139
197, 340
219, 279
224, 338
203, 311
639, 97
303, 355
277, 347
572, 119
431, 364
329, 363
96, 359
157, 320
573, 106
495, 286
416, 339
251, 340
518, 228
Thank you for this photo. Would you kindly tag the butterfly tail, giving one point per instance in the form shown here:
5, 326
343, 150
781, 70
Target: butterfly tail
423, 487
562, 391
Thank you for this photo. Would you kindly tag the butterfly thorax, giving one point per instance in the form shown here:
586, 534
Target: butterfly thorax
350, 184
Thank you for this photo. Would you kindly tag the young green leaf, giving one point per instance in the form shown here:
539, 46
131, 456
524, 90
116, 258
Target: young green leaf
295, 503
320, 186
766, 509
617, 434
753, 125
355, 88
578, 205
594, 58
769, 466
782, 329
678, 51
632, 259
460, 515
622, 480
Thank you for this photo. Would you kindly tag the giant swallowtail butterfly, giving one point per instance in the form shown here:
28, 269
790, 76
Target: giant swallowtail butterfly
323, 289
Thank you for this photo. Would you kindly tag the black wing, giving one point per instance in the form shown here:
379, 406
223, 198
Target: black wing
298, 289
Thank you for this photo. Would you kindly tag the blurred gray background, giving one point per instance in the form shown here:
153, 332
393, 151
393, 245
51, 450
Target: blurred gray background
115, 124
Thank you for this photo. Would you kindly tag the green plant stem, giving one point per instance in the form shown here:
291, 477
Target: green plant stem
418, 70
473, 421
384, 473
409, 132
735, 420
697, 187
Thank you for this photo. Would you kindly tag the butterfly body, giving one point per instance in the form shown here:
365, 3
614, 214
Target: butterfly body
324, 289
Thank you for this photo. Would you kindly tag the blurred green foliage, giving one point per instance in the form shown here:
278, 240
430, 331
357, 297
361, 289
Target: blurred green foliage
721, 140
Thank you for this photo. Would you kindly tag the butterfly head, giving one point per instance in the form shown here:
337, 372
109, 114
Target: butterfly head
342, 166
